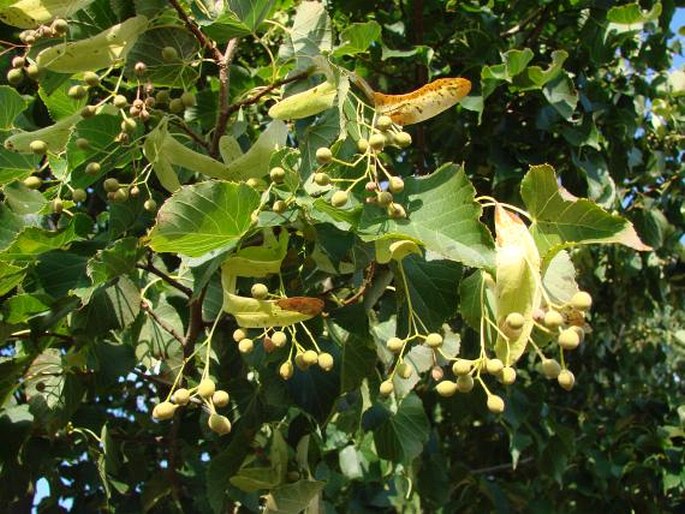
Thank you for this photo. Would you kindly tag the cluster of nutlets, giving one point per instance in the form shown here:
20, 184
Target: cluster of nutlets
21, 66
205, 393
403, 369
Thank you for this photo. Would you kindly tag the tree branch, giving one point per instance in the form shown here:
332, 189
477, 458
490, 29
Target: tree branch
192, 27
149, 267
195, 325
267, 89
163, 324
224, 79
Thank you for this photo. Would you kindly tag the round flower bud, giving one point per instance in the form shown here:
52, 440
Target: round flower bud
495, 404
446, 388
339, 198
515, 320
362, 146
33, 182
277, 175
219, 424
434, 340
551, 368
462, 367
169, 54
581, 301
402, 139
279, 338
465, 383
259, 291
383, 123
508, 375
568, 339
206, 387
91, 78
396, 185
286, 370
405, 370
322, 179
386, 388
119, 101
164, 410
553, 319
394, 344
324, 155
377, 141
310, 357
325, 361
38, 147
246, 346
566, 379
111, 185
181, 396
220, 398
494, 366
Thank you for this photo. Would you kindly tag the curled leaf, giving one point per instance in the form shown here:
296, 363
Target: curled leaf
304, 104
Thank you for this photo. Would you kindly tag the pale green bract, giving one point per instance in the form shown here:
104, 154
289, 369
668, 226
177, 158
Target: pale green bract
27, 14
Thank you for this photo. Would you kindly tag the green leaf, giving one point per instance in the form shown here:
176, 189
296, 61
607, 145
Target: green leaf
23, 200
15, 166
10, 226
204, 217
148, 50
292, 498
10, 277
21, 307
534, 77
28, 15
357, 38
311, 33
442, 216
562, 219
34, 241
349, 328
59, 103
562, 95
60, 272
400, 438
559, 279
12, 104
632, 14
515, 61
471, 289
118, 259
113, 307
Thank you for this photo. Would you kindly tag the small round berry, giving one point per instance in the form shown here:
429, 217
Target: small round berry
508, 375
495, 404
465, 383
57, 206
82, 143
60, 26
77, 92
462, 367
566, 379
140, 68
434, 340
553, 319
150, 205
324, 155
515, 320
181, 396
246, 346
581, 301
220, 398
219, 424
446, 388
259, 291
111, 185
279, 206
33, 182
277, 174
135, 192
188, 99
494, 366
322, 179
279, 338
18, 62
164, 410
15, 76
88, 111
79, 195
93, 168
33, 71
286, 370
383, 123
38, 147
568, 339
396, 185
437, 373
176, 105
128, 125
325, 361
169, 54
405, 370
206, 388
402, 139
386, 388
384, 198
339, 198
377, 141
395, 210
551, 368
362, 145
91, 78
394, 344
310, 357
119, 101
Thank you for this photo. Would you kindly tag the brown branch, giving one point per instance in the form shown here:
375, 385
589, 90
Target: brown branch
190, 132
500, 467
195, 325
224, 78
149, 267
192, 27
365, 284
163, 324
267, 89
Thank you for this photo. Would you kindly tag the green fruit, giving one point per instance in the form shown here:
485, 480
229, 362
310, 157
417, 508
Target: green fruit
33, 182
362, 146
402, 139
120, 195
322, 179
33, 71
310, 357
434, 340
88, 111
150, 205
383, 123
176, 106
169, 54
462, 367
384, 198
188, 99
119, 101
324, 155
79, 195
515, 320
220, 398
494, 366
566, 379
277, 175
164, 411
279, 338
91, 78
206, 387
568, 339
93, 168
405, 370
581, 301
394, 344
259, 291
395, 210
82, 143
579, 331
15, 76
553, 319
219, 424
60, 26
111, 185
386, 388
239, 334
18, 62
77, 92
134, 191
128, 125
286, 370
551, 368
246, 346
377, 141
446, 388
396, 185
465, 383
326, 361
279, 206
508, 375
339, 198
162, 97
495, 404
181, 396
38, 147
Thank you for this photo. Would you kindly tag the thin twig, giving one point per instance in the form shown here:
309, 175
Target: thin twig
500, 467
190, 132
149, 267
163, 324
365, 284
224, 79
192, 27
267, 89
195, 325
